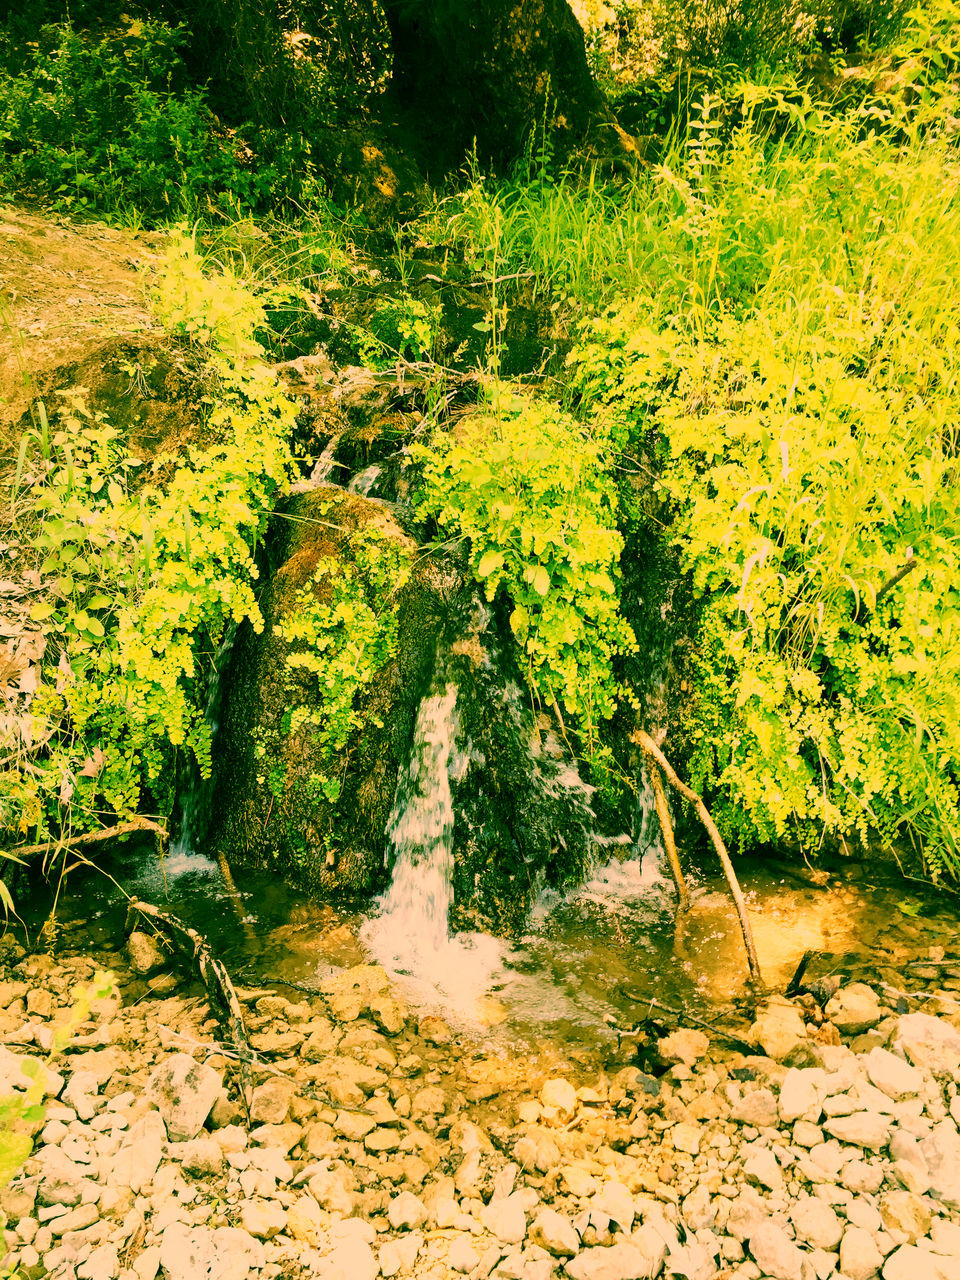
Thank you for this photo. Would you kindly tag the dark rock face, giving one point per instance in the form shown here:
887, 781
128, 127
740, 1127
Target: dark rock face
522, 815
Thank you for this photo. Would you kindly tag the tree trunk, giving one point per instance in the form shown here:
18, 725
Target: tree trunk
487, 71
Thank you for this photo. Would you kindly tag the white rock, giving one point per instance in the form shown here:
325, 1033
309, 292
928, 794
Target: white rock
778, 1028
747, 1212
560, 1096
102, 1264
862, 1129
859, 1256
262, 1218
81, 1093
184, 1091
617, 1203
406, 1212
910, 1263
775, 1253
758, 1107
686, 1137
623, 1261
506, 1219
800, 1095
854, 1009
889, 1072
201, 1156
555, 1232
816, 1223
199, 1253
683, 1045
929, 1043
941, 1151
400, 1255
139, 1157
351, 1260
461, 1255
760, 1166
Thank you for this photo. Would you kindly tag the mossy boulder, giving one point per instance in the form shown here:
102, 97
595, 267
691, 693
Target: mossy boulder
272, 814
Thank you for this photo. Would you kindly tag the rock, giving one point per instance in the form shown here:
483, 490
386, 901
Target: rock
102, 1264
560, 1096
555, 1232
262, 1218
406, 1212
746, 1213
617, 1203
683, 1045
461, 1256
800, 1095
146, 954
382, 1140
778, 1029
904, 1212
686, 1137
759, 1108
910, 1263
184, 1091
862, 1129
305, 1222
859, 1256
81, 1094
202, 1156
941, 1153
351, 1260
329, 1191
199, 1253
434, 1030
270, 1101
139, 1156
775, 1253
929, 1043
816, 1223
854, 1009
858, 1176
888, 1072
622, 1261
699, 1209
761, 1167
400, 1255
506, 1219
354, 1125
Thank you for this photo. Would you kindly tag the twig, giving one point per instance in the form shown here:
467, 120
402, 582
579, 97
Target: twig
891, 582
93, 837
651, 748
683, 1016
793, 986
666, 829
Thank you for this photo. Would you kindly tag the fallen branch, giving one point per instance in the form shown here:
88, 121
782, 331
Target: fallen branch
891, 582
793, 986
221, 994
92, 837
666, 829
682, 1015
650, 748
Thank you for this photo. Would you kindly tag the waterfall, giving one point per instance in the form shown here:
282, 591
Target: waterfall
364, 481
411, 935
195, 801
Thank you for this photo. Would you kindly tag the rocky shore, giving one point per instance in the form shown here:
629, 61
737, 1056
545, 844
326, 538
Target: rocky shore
368, 1141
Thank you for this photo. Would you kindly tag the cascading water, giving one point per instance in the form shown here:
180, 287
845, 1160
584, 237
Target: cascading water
411, 936
364, 482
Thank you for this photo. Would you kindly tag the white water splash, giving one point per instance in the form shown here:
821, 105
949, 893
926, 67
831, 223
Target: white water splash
411, 936
363, 482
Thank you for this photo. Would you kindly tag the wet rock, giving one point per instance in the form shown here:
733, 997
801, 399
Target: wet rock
930, 1043
184, 1091
146, 954
758, 1107
775, 1253
560, 1097
406, 1212
555, 1232
434, 1030
683, 1045
778, 1029
859, 1256
854, 1009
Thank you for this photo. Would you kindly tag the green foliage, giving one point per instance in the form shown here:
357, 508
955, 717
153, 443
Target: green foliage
803, 392
109, 122
341, 630
143, 569
526, 485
